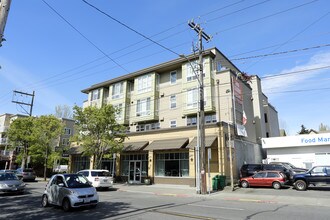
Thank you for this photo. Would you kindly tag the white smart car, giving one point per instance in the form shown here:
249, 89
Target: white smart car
98, 178
69, 191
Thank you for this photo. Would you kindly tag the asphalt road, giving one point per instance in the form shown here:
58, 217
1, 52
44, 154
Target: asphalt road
144, 202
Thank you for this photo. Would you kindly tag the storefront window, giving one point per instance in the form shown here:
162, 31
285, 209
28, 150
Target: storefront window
80, 163
108, 164
172, 164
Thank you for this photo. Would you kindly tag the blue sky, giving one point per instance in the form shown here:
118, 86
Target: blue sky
43, 53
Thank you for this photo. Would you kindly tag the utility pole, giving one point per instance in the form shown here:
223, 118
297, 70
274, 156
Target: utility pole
4, 10
201, 120
22, 102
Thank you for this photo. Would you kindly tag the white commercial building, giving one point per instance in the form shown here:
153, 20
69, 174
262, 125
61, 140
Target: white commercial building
301, 150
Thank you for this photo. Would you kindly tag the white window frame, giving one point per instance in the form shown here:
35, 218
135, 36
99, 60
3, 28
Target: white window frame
118, 90
192, 69
144, 83
172, 123
67, 131
95, 94
172, 101
192, 98
143, 107
173, 77
119, 115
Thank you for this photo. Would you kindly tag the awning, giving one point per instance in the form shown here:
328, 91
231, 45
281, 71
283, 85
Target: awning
169, 144
75, 150
209, 140
135, 146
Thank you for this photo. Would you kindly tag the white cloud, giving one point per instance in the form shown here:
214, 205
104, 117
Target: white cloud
287, 82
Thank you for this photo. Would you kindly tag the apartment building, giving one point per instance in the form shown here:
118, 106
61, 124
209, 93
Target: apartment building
160, 109
7, 156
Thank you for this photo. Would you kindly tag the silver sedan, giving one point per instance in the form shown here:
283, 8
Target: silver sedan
69, 191
9, 183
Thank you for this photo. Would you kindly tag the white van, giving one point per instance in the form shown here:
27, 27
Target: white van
98, 178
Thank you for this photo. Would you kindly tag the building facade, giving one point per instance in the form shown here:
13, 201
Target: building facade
160, 109
303, 151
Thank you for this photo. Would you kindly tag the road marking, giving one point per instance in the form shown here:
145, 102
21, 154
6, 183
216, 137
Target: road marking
217, 207
184, 215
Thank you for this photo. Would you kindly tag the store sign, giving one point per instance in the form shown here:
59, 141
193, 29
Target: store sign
296, 141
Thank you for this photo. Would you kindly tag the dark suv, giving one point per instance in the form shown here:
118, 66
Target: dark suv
294, 168
249, 169
316, 175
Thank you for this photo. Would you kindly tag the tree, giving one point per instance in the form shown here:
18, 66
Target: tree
47, 129
323, 127
21, 135
98, 132
63, 111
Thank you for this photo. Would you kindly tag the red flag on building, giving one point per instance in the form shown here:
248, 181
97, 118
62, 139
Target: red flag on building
244, 120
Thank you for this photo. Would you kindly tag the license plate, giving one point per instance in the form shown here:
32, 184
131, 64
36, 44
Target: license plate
105, 181
87, 200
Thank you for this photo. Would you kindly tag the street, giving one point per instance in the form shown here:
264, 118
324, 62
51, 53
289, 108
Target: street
143, 202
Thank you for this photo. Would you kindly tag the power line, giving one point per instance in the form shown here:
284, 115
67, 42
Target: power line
294, 72
81, 34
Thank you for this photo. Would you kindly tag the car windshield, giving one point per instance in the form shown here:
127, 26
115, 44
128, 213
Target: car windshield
7, 176
76, 181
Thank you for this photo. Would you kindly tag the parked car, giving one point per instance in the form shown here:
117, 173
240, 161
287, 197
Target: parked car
61, 169
27, 174
275, 179
9, 183
293, 167
19, 175
98, 178
69, 191
315, 176
249, 169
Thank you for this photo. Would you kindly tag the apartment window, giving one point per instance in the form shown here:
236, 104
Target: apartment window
117, 90
192, 69
192, 98
95, 94
191, 121
210, 119
173, 77
67, 131
144, 83
143, 107
65, 142
147, 127
119, 111
173, 123
173, 101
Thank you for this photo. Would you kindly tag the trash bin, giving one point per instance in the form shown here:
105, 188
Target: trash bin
215, 183
222, 181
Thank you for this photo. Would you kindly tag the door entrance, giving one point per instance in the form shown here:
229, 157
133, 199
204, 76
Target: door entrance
134, 171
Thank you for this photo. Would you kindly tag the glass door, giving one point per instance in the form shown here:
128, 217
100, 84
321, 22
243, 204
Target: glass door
134, 171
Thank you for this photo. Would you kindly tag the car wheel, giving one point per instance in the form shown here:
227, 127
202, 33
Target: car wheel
300, 185
276, 185
44, 201
66, 205
244, 184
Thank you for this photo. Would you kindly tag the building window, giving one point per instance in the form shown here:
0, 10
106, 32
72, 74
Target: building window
173, 77
191, 121
117, 90
67, 131
65, 142
173, 123
80, 163
172, 164
119, 111
95, 94
143, 107
173, 101
192, 69
144, 83
147, 127
210, 119
267, 134
192, 98
266, 118
109, 164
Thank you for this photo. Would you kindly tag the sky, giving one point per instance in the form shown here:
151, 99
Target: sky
57, 48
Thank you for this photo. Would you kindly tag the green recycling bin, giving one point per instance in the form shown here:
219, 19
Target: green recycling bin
222, 181
215, 183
